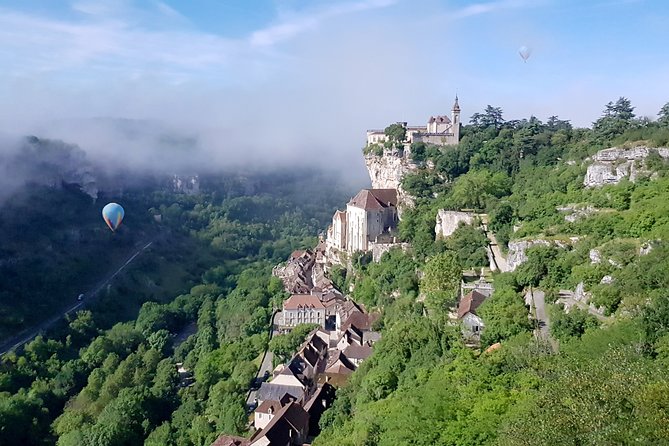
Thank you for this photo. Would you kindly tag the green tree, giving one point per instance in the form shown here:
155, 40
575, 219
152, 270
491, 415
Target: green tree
573, 324
441, 281
663, 115
396, 132
617, 118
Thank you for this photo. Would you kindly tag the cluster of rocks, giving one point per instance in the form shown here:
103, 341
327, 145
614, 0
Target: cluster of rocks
610, 166
576, 212
517, 254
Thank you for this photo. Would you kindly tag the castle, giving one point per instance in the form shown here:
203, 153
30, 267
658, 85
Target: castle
370, 220
440, 130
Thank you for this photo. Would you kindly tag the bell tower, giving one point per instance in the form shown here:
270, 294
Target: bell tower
455, 119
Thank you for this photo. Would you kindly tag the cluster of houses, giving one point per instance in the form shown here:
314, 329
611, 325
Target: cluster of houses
291, 402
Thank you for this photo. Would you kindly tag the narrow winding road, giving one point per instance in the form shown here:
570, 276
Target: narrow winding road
543, 331
495, 253
30, 333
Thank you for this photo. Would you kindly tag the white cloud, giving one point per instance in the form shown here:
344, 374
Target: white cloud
293, 25
489, 7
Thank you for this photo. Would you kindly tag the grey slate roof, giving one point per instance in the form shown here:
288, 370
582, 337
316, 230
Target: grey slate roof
275, 392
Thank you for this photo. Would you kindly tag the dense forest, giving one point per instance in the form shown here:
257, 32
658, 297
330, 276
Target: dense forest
202, 295
607, 382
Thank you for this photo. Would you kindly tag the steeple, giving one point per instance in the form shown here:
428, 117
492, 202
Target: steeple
456, 106
455, 119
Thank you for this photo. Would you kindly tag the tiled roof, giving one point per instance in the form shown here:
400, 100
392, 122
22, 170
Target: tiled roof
298, 301
469, 303
266, 405
275, 392
290, 417
352, 334
354, 351
440, 119
324, 391
374, 199
360, 320
230, 440
339, 364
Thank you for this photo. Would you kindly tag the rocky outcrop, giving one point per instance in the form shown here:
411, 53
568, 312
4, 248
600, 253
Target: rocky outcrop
595, 256
387, 171
518, 249
610, 166
449, 221
576, 212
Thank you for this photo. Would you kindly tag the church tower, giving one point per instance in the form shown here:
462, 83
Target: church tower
456, 121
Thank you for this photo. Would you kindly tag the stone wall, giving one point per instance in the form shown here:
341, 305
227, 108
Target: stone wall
612, 165
378, 249
448, 221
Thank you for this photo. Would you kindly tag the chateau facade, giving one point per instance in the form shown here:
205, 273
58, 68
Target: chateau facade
440, 130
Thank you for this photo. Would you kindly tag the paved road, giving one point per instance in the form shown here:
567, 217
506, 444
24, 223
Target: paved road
28, 334
541, 316
543, 322
266, 365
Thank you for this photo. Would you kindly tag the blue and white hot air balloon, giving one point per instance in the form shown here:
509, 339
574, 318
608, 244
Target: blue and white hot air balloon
113, 215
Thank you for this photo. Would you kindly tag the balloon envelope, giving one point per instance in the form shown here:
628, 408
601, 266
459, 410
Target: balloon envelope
113, 215
524, 52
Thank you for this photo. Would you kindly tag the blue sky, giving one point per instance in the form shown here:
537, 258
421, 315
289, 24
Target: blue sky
299, 77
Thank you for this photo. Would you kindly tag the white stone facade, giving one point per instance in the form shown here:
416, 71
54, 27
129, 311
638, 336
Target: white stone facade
440, 130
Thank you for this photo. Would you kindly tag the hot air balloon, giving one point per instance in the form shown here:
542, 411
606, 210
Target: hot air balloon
525, 53
113, 215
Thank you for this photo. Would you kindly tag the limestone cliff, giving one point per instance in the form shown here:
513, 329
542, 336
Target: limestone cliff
448, 221
518, 249
610, 166
387, 171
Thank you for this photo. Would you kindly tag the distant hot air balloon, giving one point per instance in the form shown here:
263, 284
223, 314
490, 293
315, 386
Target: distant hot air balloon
113, 215
525, 53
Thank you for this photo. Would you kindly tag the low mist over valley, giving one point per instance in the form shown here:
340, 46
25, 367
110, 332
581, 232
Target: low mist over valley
334, 223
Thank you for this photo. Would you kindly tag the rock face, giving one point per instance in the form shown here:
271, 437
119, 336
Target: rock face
387, 171
610, 166
518, 249
595, 256
448, 222
576, 212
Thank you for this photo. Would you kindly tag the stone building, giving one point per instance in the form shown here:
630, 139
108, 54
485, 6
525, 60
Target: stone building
440, 130
369, 215
302, 309
472, 324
